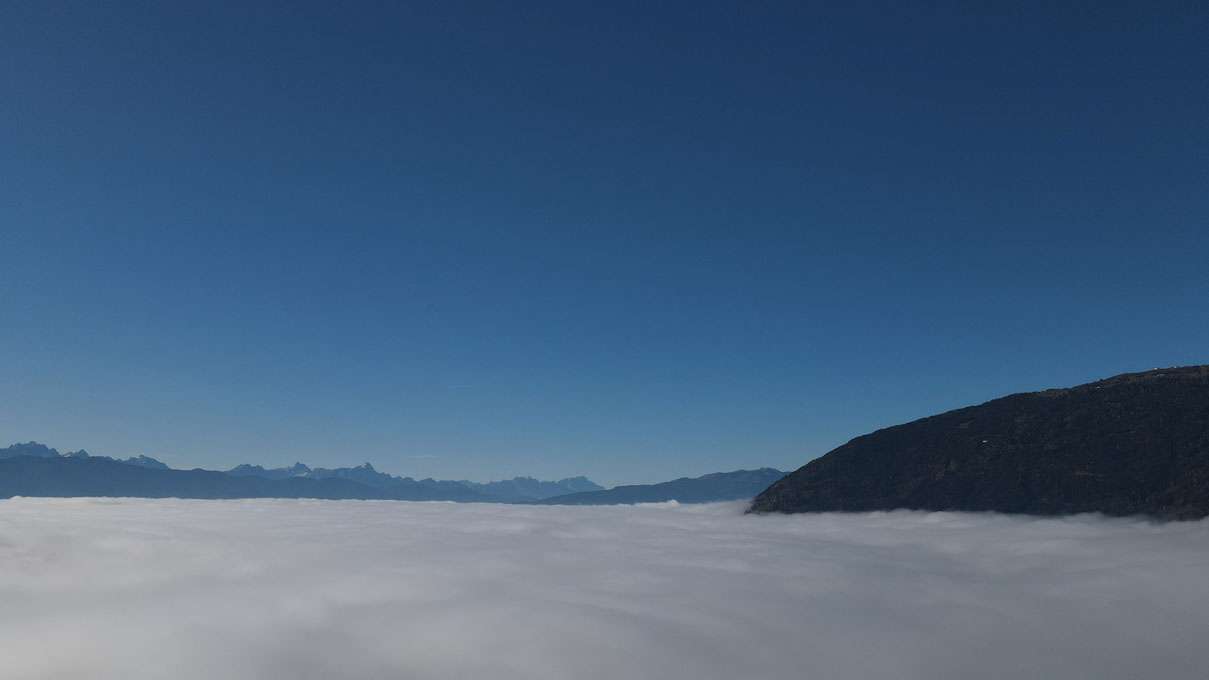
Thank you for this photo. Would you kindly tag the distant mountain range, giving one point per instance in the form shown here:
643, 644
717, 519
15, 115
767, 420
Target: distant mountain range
97, 476
719, 486
1133, 444
33, 469
517, 489
36, 450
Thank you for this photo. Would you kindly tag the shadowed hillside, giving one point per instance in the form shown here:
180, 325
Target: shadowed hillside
1133, 444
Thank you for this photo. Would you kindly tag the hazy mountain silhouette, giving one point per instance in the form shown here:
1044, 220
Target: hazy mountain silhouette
366, 475
530, 489
33, 469
36, 450
145, 461
1133, 444
510, 490
98, 476
246, 470
719, 486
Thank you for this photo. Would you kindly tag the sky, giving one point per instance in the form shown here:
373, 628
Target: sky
629, 240
138, 589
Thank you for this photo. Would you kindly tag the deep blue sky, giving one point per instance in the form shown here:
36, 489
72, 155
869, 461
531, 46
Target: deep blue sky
632, 241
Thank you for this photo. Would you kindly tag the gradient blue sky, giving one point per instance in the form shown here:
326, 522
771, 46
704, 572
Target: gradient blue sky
628, 240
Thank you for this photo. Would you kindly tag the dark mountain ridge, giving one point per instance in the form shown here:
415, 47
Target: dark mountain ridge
1136, 443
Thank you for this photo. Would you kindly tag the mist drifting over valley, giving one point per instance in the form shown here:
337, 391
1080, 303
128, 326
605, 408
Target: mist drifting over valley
372, 589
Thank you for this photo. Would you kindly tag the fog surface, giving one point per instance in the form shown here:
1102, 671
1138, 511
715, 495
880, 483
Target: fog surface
290, 589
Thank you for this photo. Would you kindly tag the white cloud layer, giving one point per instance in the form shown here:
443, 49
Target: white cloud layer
141, 589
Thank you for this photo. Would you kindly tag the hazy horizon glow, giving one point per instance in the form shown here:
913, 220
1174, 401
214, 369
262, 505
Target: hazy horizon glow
143, 589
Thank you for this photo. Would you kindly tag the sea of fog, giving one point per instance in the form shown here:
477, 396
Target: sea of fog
132, 589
